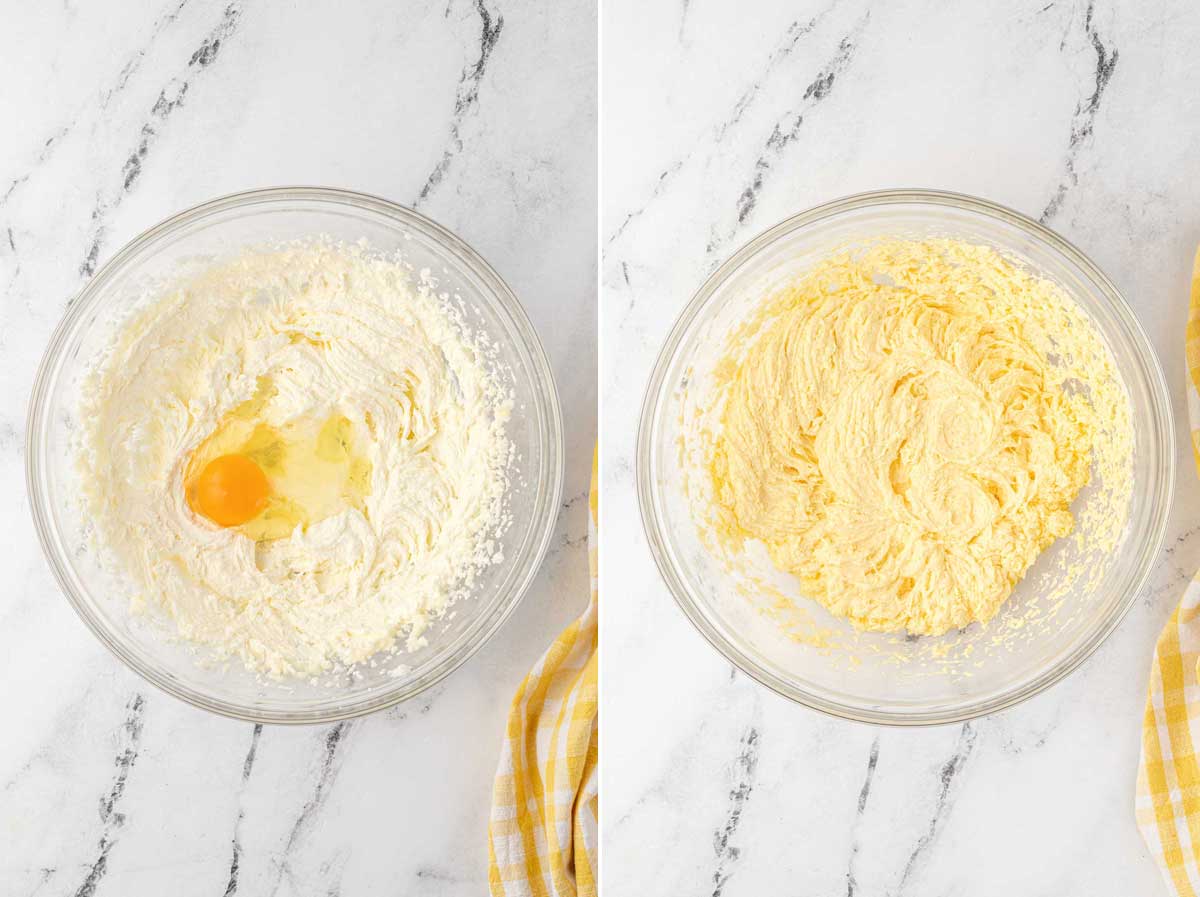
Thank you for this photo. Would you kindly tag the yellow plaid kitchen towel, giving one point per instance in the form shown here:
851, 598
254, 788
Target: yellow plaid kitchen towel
542, 840
1168, 784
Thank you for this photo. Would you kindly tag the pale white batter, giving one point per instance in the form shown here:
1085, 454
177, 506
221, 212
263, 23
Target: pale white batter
310, 332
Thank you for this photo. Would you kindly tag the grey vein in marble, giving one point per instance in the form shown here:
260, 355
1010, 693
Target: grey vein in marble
787, 130
466, 96
170, 98
43, 154
794, 34
1010, 743
312, 806
123, 78
863, 794
135, 61
111, 818
947, 776
236, 861
659, 185
1084, 120
745, 765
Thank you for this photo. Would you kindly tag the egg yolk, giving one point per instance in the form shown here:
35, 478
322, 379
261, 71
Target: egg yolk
230, 490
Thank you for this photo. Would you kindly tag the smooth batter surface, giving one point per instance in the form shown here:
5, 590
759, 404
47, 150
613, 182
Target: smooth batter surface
905, 429
288, 341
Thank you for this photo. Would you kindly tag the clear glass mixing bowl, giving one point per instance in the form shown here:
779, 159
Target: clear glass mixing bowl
218, 229
794, 646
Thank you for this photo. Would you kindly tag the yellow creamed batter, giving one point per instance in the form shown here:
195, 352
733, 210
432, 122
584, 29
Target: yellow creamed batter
905, 428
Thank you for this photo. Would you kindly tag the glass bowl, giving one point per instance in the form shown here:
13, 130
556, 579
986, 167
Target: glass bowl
757, 617
208, 233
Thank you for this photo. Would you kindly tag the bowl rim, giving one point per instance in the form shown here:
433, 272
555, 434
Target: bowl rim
654, 397
548, 412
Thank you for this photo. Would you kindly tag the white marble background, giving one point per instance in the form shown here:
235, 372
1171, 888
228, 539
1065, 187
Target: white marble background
482, 115
719, 119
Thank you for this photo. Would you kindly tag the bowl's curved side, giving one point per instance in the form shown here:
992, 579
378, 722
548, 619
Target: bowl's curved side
544, 409
658, 410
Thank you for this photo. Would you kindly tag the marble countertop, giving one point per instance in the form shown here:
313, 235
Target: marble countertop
1083, 114
482, 115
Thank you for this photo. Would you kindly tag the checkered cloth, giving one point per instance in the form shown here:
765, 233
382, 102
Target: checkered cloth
542, 838
1168, 784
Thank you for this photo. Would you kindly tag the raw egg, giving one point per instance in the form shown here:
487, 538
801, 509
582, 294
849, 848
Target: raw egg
230, 490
